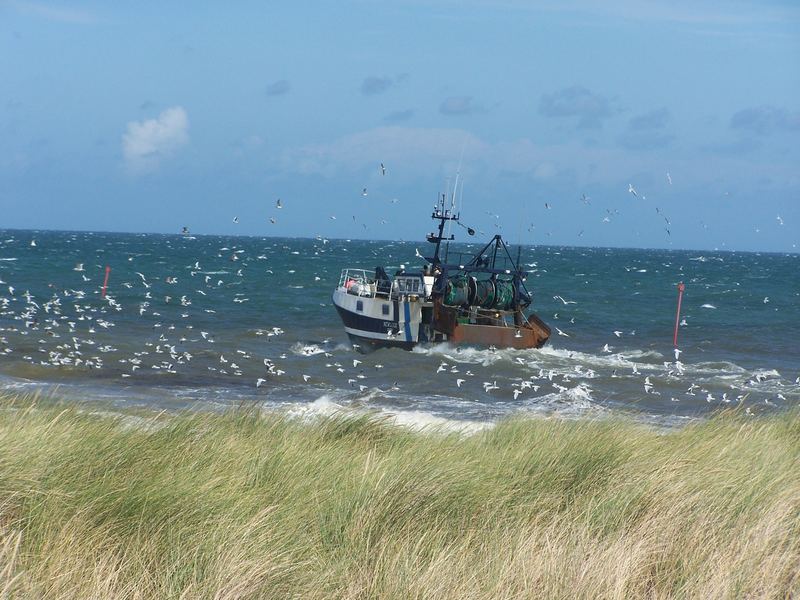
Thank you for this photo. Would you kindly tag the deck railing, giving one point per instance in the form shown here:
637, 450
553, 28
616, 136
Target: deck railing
358, 282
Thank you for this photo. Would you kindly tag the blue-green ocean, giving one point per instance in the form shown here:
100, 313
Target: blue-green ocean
190, 321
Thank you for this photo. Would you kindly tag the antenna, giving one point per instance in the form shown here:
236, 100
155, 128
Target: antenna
455, 190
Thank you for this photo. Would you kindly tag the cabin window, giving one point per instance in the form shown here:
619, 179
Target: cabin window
360, 305
408, 285
385, 309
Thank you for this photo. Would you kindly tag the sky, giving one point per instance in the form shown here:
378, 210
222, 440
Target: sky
542, 116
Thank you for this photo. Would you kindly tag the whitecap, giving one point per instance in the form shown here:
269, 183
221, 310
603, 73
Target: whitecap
301, 349
417, 420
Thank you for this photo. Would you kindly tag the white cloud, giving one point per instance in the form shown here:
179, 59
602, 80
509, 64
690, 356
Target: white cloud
415, 148
569, 167
54, 13
145, 143
411, 152
544, 170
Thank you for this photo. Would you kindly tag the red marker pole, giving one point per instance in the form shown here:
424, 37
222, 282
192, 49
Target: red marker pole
681, 287
105, 282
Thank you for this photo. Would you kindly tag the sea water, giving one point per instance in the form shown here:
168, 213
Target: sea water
210, 322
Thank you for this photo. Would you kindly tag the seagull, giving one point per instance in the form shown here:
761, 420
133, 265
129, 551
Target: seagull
272, 220
669, 178
383, 169
278, 204
606, 348
236, 219
459, 382
618, 333
780, 221
561, 332
632, 190
547, 206
306, 377
517, 393
417, 254
259, 381
78, 267
677, 353
364, 192
585, 199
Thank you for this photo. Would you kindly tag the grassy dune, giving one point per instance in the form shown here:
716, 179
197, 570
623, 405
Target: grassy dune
246, 505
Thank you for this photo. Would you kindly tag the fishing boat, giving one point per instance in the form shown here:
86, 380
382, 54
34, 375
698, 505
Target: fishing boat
475, 299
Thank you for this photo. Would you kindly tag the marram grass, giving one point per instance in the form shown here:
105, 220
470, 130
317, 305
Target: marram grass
247, 505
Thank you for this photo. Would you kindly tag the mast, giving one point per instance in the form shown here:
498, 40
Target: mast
443, 215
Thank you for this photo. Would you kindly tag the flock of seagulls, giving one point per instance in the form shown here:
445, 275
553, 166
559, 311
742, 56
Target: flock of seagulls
273, 220
72, 328
175, 324
610, 213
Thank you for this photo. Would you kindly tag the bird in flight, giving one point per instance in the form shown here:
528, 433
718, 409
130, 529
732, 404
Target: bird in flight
383, 169
235, 219
278, 204
632, 190
364, 192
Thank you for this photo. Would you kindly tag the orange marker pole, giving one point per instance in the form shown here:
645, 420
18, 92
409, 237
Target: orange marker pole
681, 287
105, 282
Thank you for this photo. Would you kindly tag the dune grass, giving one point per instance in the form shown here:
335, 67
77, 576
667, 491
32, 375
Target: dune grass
247, 505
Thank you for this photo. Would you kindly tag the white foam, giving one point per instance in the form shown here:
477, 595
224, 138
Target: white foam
301, 349
571, 403
766, 373
424, 421
324, 406
329, 405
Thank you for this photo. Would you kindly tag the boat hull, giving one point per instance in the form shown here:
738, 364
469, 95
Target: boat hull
370, 326
365, 345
